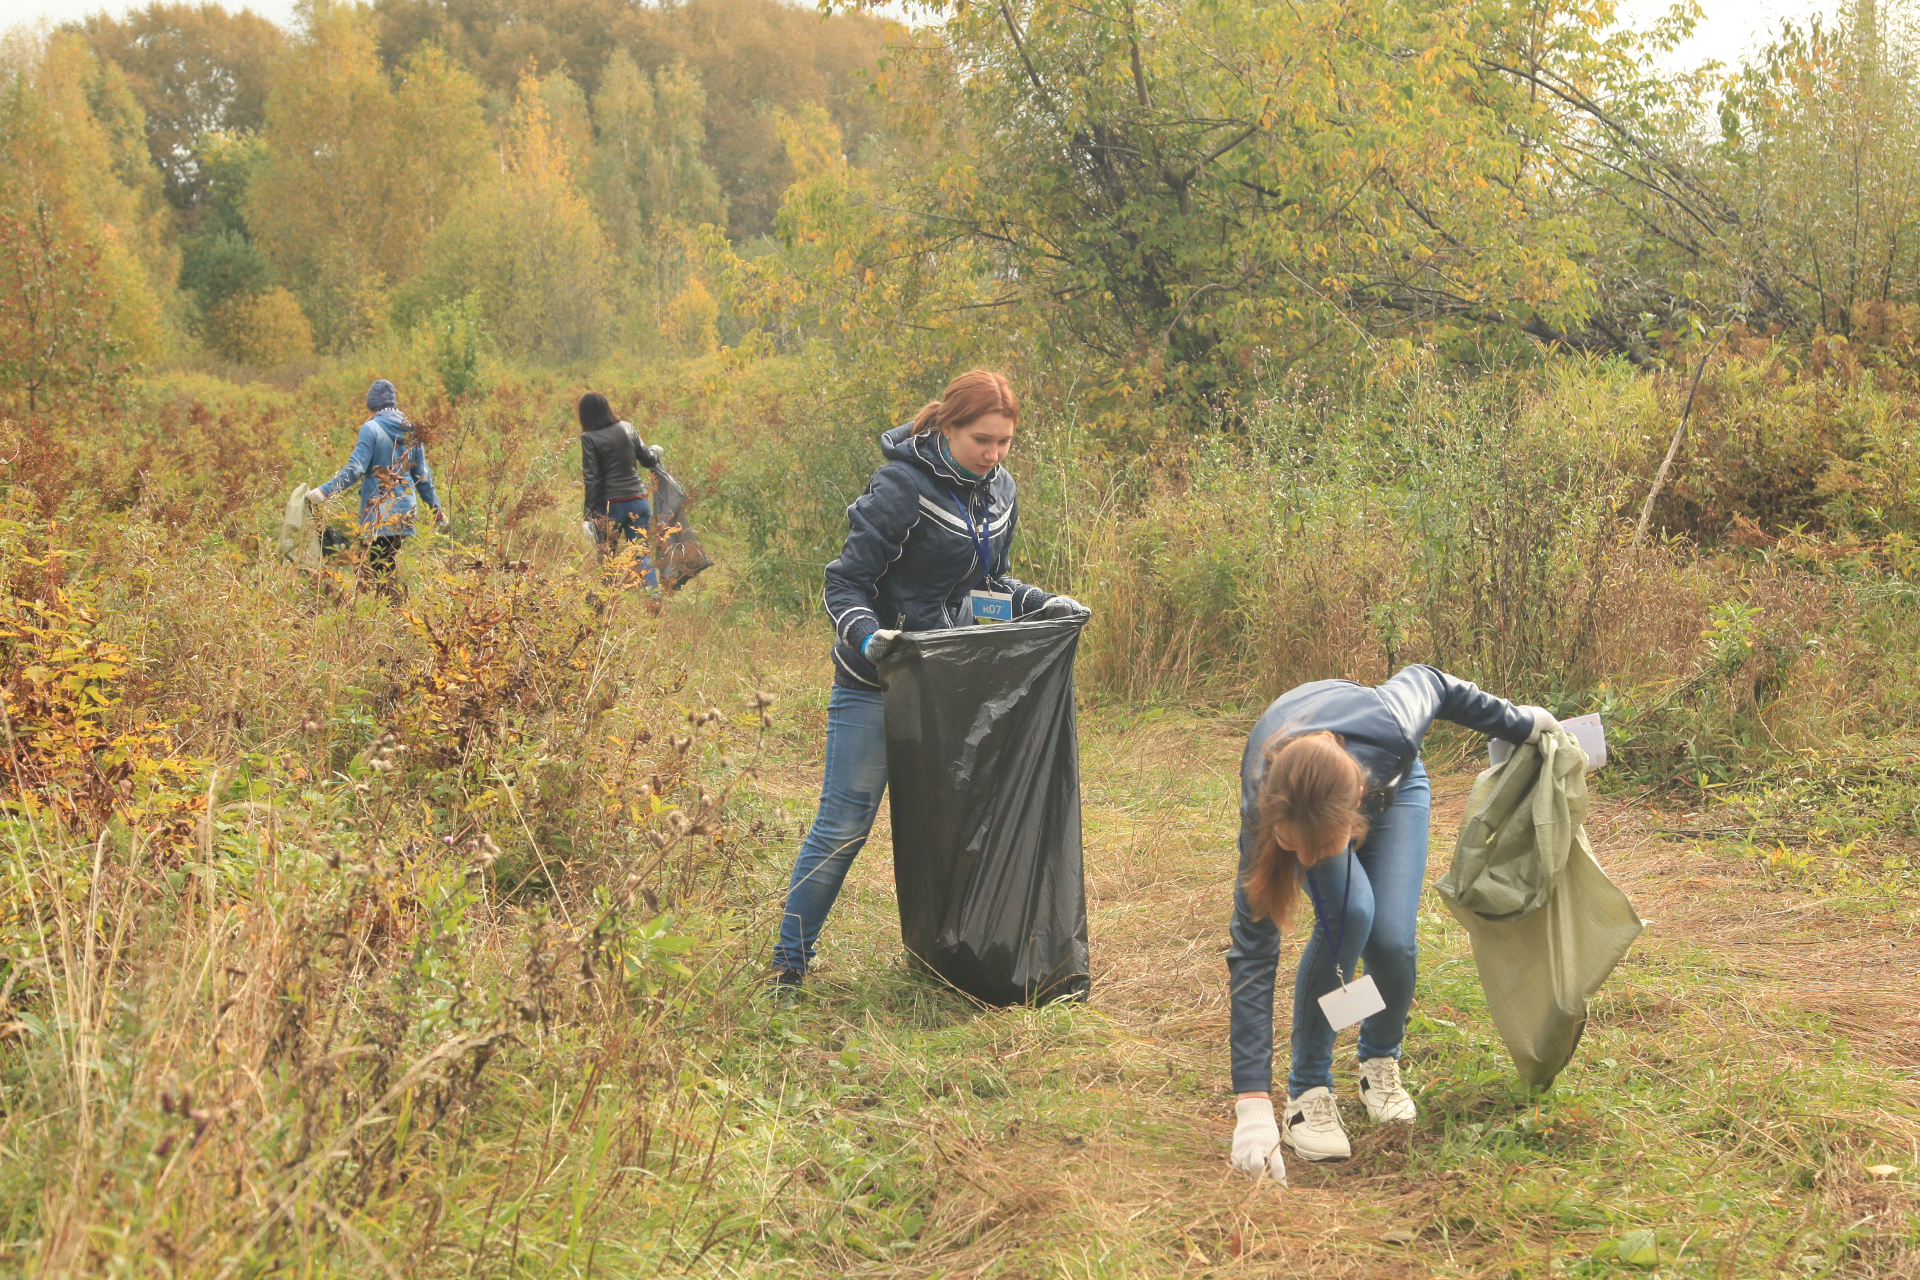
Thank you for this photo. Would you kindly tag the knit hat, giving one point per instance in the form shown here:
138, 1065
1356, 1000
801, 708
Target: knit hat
381, 395
595, 412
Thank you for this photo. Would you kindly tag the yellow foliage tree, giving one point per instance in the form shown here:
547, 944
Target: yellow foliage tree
568, 119
358, 174
524, 247
74, 180
439, 144
319, 205
262, 329
690, 322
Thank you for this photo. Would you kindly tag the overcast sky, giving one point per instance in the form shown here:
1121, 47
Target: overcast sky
17, 11
1732, 27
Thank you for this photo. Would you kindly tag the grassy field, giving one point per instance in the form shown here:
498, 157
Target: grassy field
1744, 1068
437, 950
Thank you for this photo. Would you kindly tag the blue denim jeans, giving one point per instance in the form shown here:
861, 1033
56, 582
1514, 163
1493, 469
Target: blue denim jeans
856, 777
1389, 872
631, 518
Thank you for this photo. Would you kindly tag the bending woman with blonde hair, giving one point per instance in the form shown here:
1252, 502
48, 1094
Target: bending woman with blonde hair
1334, 804
928, 547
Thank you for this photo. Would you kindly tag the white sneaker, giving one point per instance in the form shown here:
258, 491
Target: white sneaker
1388, 1101
1313, 1127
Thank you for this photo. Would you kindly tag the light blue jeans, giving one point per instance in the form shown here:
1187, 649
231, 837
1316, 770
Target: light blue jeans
1389, 872
856, 777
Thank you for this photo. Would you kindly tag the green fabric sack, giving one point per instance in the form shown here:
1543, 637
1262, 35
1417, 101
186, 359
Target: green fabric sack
1546, 924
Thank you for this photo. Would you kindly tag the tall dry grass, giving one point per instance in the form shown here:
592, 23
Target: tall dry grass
442, 959
424, 970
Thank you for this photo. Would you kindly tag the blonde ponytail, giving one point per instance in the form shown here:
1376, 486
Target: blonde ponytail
1312, 785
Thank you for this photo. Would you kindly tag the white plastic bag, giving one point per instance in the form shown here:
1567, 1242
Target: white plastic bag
299, 539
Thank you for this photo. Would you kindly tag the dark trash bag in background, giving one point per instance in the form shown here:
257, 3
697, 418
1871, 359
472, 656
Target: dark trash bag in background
677, 554
984, 770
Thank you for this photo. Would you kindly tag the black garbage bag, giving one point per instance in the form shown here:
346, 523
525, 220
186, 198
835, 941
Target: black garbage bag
677, 555
984, 771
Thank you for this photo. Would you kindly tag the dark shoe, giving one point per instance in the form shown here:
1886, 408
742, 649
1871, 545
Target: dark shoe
785, 985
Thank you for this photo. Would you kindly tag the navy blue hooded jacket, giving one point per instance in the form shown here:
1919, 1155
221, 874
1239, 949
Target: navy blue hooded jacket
909, 561
1383, 727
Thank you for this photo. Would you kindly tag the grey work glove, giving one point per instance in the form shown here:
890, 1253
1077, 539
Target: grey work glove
315, 498
876, 644
1064, 607
1543, 722
655, 452
1256, 1140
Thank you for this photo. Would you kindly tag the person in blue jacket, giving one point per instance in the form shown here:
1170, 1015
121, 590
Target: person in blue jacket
927, 548
1333, 797
390, 463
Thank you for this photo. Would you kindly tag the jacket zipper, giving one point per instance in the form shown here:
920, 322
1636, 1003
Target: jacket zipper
946, 614
986, 583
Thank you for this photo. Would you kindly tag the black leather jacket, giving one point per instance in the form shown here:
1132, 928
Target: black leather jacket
1383, 727
908, 562
610, 462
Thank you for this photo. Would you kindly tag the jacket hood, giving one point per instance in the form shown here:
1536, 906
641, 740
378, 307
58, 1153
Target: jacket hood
394, 423
901, 445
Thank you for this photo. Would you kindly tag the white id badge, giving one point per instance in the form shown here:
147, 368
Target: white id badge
991, 606
1347, 1005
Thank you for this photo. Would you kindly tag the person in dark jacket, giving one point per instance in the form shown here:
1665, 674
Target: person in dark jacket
611, 455
391, 465
1333, 797
927, 548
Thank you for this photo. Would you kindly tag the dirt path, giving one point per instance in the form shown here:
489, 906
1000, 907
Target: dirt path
1745, 1065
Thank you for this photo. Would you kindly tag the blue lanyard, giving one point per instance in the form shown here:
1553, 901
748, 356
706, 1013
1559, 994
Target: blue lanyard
1320, 914
982, 539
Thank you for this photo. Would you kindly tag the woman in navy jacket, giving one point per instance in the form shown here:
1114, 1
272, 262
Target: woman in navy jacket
1333, 797
927, 548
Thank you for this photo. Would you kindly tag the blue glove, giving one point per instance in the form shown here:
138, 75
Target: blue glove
884, 637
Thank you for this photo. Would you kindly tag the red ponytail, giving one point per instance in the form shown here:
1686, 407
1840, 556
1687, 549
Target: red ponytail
973, 394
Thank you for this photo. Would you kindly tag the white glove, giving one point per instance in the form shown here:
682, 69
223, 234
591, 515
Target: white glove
586, 527
315, 498
884, 638
1543, 722
658, 451
1064, 607
1256, 1140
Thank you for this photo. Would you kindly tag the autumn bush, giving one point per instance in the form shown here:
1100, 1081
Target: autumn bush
386, 911
435, 858
262, 329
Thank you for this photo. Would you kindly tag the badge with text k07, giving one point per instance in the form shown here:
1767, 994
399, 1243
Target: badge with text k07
991, 606
1346, 1005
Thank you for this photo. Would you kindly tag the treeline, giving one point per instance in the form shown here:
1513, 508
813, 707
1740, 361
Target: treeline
1191, 201
187, 178
1181, 203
